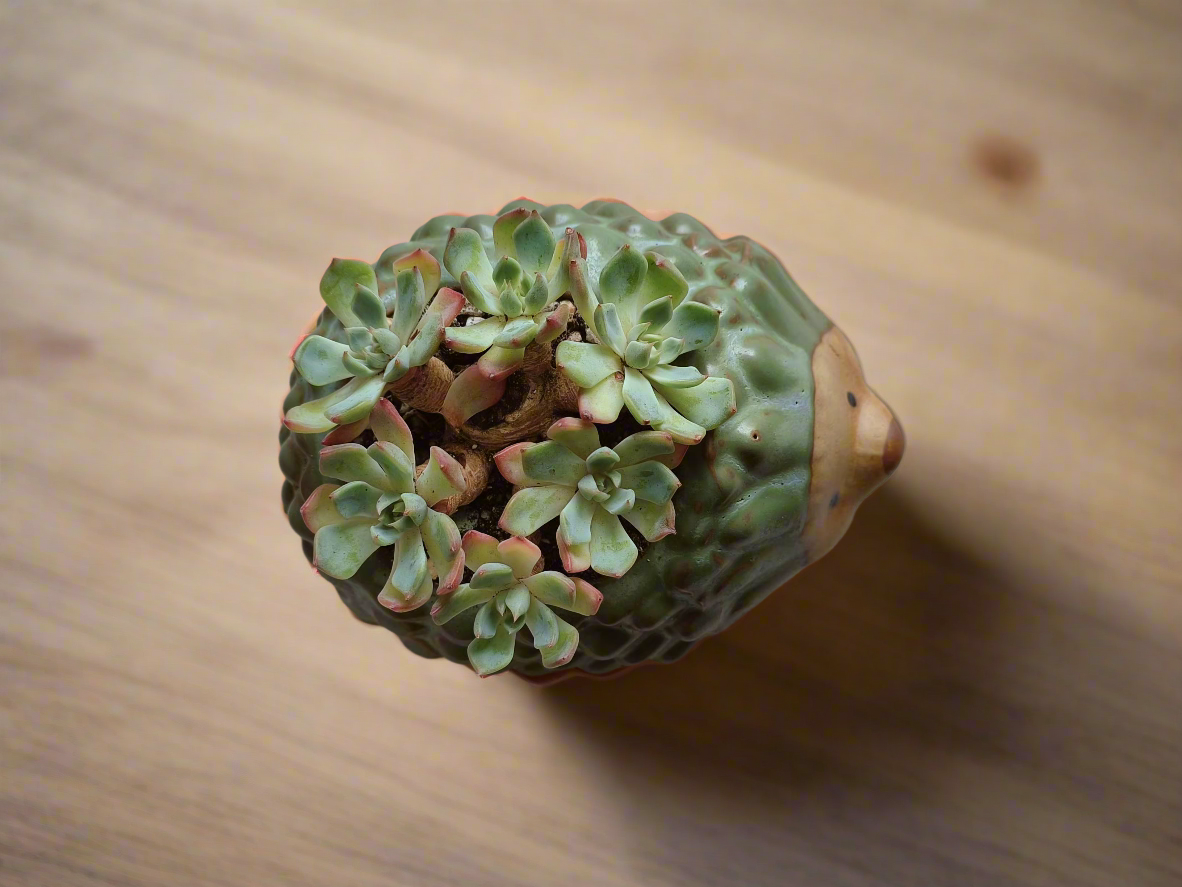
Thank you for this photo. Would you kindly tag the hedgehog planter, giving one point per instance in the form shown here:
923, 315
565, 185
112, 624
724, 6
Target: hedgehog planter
561, 441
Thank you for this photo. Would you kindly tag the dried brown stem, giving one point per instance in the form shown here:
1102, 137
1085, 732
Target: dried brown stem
425, 387
475, 469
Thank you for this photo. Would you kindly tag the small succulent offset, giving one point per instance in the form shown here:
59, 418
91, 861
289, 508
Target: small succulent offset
382, 503
519, 295
379, 351
643, 324
511, 596
589, 488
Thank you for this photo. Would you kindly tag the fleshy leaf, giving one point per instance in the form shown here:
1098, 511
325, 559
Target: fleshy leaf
651, 520
511, 304
339, 284
639, 354
532, 507
694, 322
387, 424
503, 229
662, 279
387, 340
463, 598
318, 360
621, 278
642, 446
392, 599
357, 499
497, 576
586, 364
470, 392
409, 304
356, 367
681, 429
398, 472
549, 462
669, 350
577, 435
349, 403
651, 481
428, 335
350, 462
708, 404
610, 327
441, 477
551, 587
612, 551
427, 265
534, 242
479, 549
587, 598
490, 655
620, 501
368, 308
640, 397
580, 291
475, 338
384, 534
410, 563
498, 363
487, 621
340, 550
509, 464
668, 376
542, 624
517, 333
555, 322
602, 459
538, 296
563, 650
464, 254
575, 558
603, 402
575, 520
441, 538
345, 433
507, 272
517, 599
320, 510
520, 555
482, 298
656, 313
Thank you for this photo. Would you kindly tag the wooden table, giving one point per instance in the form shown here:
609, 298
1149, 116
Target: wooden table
982, 685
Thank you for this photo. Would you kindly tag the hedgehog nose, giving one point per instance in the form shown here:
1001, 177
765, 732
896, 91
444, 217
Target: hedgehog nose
892, 450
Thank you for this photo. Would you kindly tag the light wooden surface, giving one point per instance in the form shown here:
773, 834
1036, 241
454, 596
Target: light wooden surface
982, 685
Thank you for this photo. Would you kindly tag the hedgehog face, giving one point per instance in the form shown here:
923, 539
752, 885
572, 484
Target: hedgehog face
857, 443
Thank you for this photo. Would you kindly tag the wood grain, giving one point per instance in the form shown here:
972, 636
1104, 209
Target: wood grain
981, 685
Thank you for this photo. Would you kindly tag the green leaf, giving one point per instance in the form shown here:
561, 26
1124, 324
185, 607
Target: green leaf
339, 284
577, 435
387, 341
519, 554
562, 650
387, 424
415, 507
551, 587
442, 476
470, 393
533, 507
602, 459
586, 364
538, 296
534, 242
349, 462
475, 338
651, 481
393, 599
497, 363
427, 265
368, 308
464, 254
398, 472
409, 303
410, 563
620, 501
487, 621
479, 549
542, 623
448, 606
360, 338
356, 367
612, 551
639, 354
575, 558
357, 499
681, 429
662, 279
709, 403
482, 298
587, 598
642, 446
657, 313
640, 397
507, 272
584, 298
517, 599
494, 575
673, 376
575, 520
694, 322
490, 655
384, 534
621, 278
517, 333
441, 538
554, 322
318, 360
340, 550
603, 402
549, 462
669, 350
589, 489
350, 402
651, 520
503, 229
320, 510
608, 325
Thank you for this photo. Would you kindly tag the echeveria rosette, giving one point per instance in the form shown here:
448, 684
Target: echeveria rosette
643, 324
589, 488
381, 503
511, 596
379, 350
519, 296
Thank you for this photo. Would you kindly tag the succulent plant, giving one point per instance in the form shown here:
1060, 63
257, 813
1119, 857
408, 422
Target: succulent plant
378, 351
589, 487
761, 411
511, 596
518, 297
643, 324
382, 503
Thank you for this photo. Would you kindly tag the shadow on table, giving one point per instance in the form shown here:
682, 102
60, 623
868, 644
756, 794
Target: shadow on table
849, 687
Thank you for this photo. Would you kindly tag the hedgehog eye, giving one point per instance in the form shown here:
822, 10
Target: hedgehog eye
849, 395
